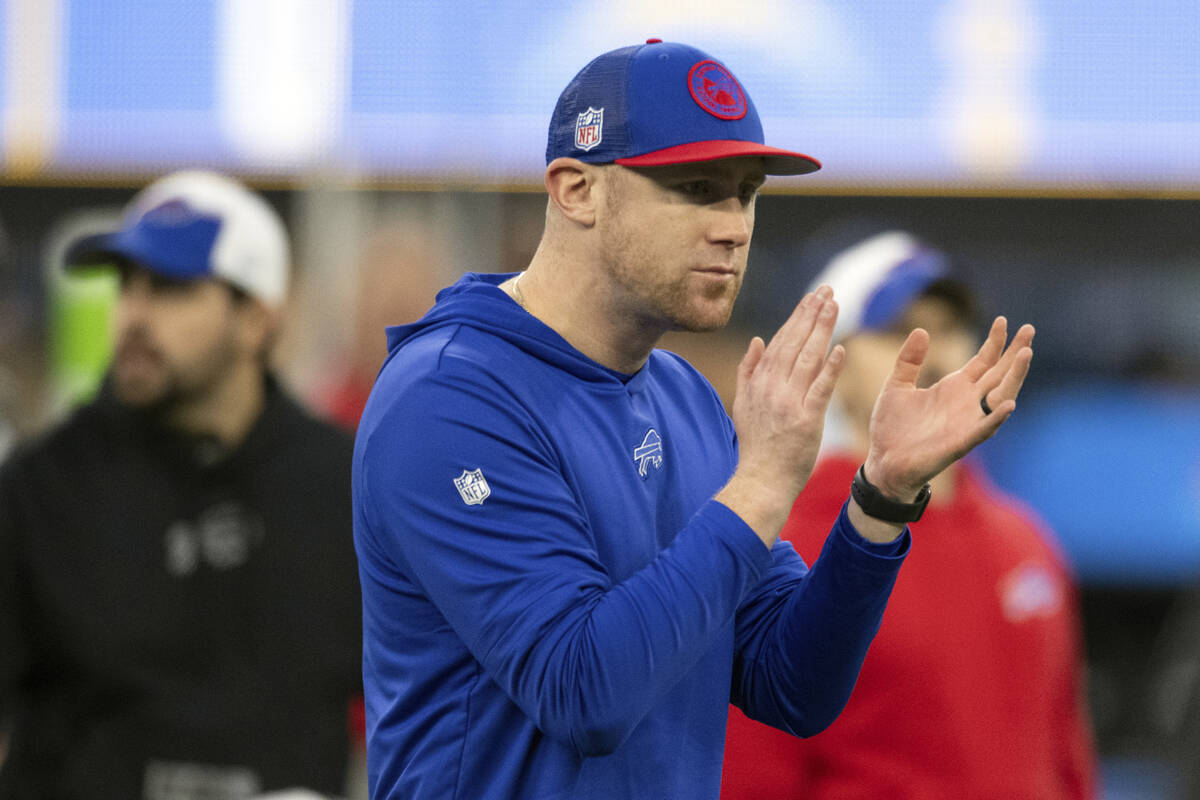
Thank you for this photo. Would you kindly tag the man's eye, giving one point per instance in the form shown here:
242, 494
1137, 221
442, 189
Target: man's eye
694, 188
161, 285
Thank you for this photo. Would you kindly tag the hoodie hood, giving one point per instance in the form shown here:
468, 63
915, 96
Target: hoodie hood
477, 301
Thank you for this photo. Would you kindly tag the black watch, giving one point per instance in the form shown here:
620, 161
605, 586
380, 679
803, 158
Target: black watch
875, 504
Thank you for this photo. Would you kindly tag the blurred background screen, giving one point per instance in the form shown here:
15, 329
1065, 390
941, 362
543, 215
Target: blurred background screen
1008, 93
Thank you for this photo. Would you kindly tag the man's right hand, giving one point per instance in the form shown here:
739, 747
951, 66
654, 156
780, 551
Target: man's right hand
783, 391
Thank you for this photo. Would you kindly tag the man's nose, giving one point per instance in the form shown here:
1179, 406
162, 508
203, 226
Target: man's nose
733, 223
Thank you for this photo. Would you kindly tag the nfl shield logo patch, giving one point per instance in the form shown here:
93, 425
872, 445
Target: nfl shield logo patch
472, 487
589, 128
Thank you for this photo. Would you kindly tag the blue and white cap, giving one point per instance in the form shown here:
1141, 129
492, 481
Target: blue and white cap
661, 103
194, 224
876, 280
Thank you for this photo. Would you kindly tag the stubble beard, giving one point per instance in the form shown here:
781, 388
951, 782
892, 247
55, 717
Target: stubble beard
696, 320
673, 302
169, 387
666, 299
146, 383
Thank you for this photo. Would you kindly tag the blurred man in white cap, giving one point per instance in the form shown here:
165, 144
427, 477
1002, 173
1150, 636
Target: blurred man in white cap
179, 612
973, 686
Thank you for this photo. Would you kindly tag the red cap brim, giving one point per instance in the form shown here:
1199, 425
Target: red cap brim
776, 161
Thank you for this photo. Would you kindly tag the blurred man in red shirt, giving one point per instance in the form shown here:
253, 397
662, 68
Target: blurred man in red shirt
973, 687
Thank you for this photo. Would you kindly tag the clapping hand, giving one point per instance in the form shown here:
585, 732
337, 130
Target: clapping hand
916, 433
783, 392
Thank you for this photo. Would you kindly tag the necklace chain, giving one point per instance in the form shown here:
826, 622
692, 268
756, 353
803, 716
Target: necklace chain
518, 295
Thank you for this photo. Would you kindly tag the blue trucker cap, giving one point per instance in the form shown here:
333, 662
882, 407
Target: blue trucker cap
661, 103
195, 224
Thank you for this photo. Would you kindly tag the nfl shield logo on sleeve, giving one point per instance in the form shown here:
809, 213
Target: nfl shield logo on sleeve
589, 128
472, 487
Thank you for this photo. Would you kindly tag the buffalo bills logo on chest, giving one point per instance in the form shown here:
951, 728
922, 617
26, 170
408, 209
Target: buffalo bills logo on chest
589, 128
716, 90
649, 453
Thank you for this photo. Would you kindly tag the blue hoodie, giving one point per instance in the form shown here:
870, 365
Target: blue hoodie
553, 604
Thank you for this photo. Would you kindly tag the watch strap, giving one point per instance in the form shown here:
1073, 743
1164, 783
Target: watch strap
875, 503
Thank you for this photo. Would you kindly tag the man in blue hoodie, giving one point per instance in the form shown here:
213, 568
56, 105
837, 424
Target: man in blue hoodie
567, 549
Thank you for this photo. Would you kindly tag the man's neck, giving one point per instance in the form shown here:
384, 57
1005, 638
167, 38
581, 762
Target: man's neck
228, 411
579, 307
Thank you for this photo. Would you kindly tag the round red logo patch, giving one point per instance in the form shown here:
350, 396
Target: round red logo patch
716, 90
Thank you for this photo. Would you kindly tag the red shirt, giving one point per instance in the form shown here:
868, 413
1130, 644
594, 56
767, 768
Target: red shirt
973, 686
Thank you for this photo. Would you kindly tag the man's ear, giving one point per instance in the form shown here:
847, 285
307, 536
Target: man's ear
572, 186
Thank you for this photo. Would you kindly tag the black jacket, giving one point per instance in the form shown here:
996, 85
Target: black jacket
176, 621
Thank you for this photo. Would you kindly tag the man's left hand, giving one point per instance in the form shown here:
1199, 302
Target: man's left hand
916, 433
